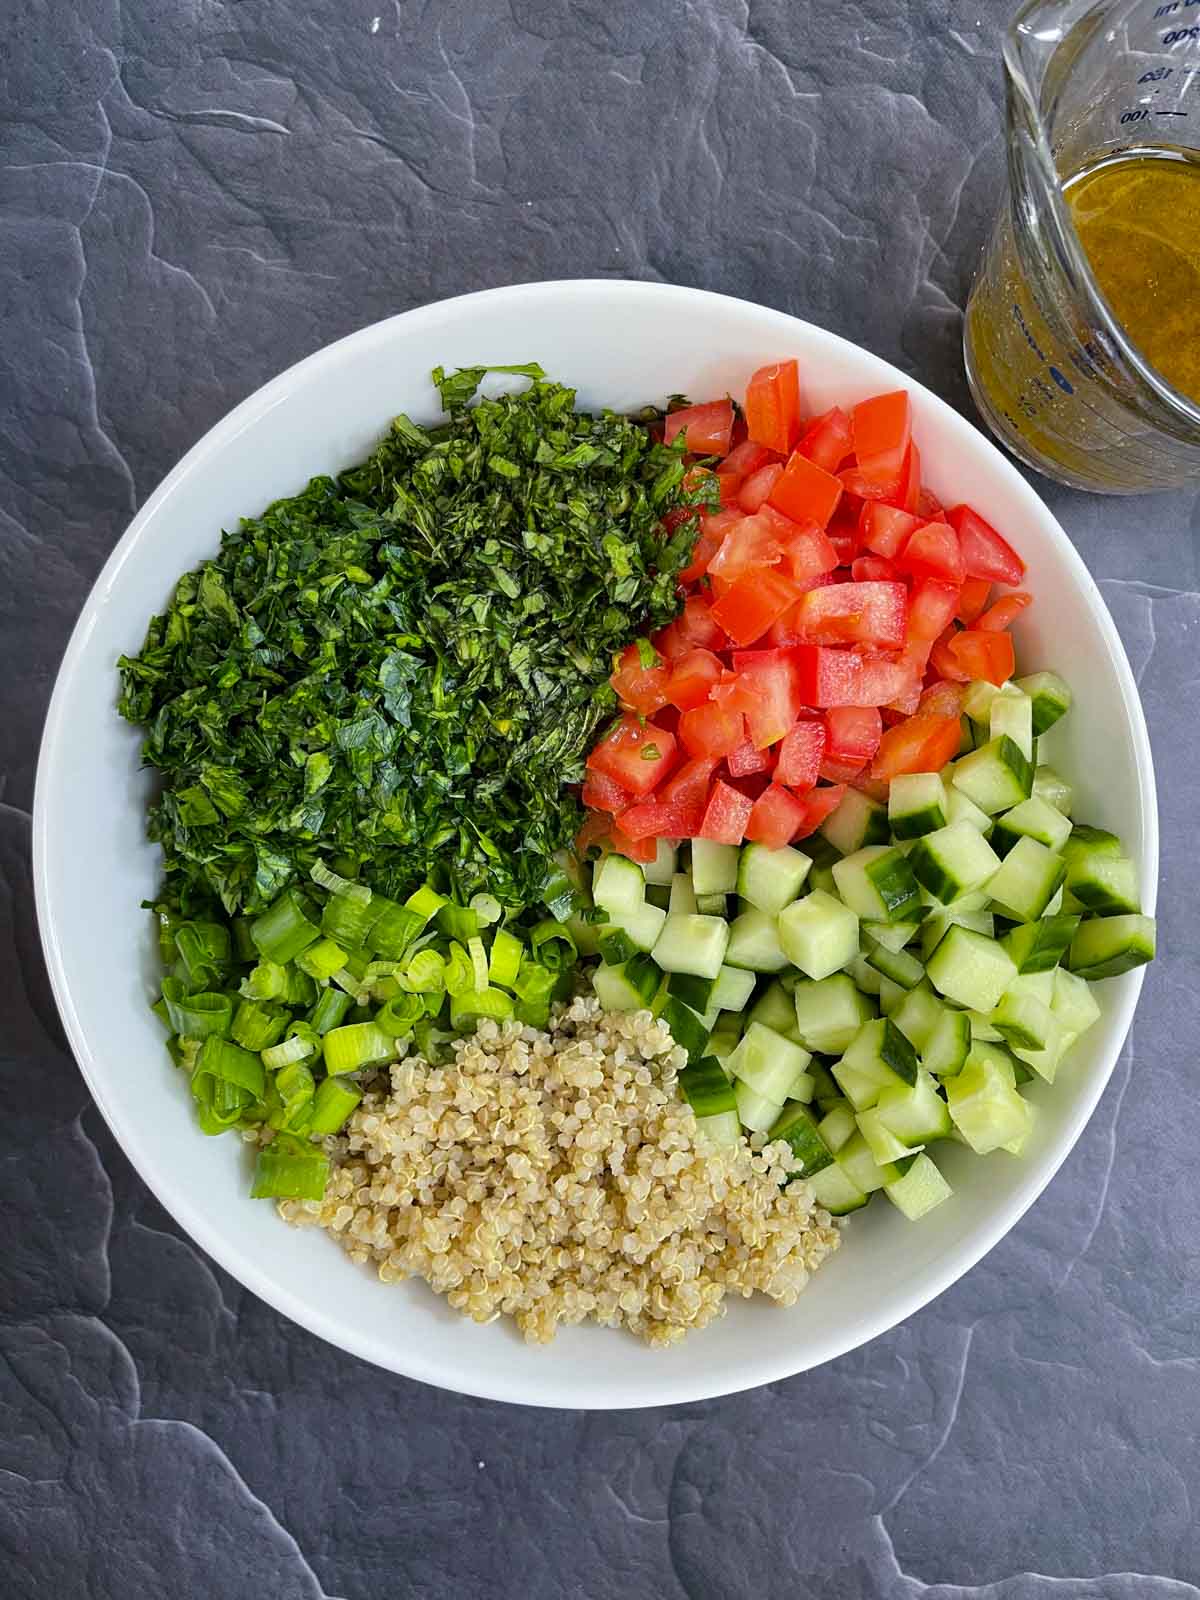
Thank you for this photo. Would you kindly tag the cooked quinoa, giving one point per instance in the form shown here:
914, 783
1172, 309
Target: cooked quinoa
555, 1177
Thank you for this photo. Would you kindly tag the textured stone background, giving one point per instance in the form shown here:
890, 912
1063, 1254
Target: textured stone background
195, 193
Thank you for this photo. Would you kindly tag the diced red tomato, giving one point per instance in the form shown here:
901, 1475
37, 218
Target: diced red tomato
854, 613
884, 529
775, 701
725, 815
706, 546
808, 552
690, 784
642, 689
755, 489
773, 406
985, 554
910, 493
800, 756
819, 803
928, 505
943, 661
875, 569
697, 627
691, 679
806, 492
775, 817
933, 552
924, 743
602, 794
744, 459
753, 603
981, 654
827, 676
640, 850
1005, 612
711, 730
931, 608
670, 643
973, 599
942, 700
881, 424
654, 819
852, 733
879, 479
637, 756
751, 543
746, 760
828, 440
595, 834
909, 697
709, 427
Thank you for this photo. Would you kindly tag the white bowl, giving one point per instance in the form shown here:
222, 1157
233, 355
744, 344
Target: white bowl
621, 345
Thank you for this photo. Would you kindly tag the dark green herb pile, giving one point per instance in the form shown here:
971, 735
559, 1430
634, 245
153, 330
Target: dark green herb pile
405, 668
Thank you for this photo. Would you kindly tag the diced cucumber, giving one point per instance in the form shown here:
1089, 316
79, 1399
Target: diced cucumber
857, 821
879, 1057
892, 936
1046, 1062
692, 943
706, 1088
837, 1192
1073, 1003
683, 896
659, 895
916, 804
953, 861
877, 883
754, 942
970, 969
817, 934
713, 905
985, 1105
821, 877
864, 975
918, 1189
1053, 789
996, 777
995, 1055
978, 697
628, 931
732, 989
961, 809
796, 1127
714, 867
771, 879
1035, 817
837, 1125
1050, 696
1027, 881
949, 1044
725, 1038
918, 1015
891, 996
618, 885
662, 869
1088, 843
1106, 885
696, 993
585, 934
860, 1166
757, 1111
933, 931
1040, 946
981, 1027
687, 1029
898, 965
966, 735
720, 1132
824, 1084
775, 1009
1038, 984
770, 1064
829, 1012
1104, 947
630, 987
1022, 1019
881, 1141
1011, 714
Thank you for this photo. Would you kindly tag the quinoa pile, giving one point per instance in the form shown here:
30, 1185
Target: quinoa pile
555, 1177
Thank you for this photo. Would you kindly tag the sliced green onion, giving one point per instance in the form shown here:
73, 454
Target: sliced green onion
205, 952
559, 895
282, 1175
168, 921
348, 921
476, 1003
219, 1058
479, 962
385, 989
296, 1047
425, 902
256, 1027
553, 945
336, 1098
294, 1088
220, 1105
487, 908
330, 1010
243, 945
504, 962
394, 930
424, 974
268, 981
358, 1044
196, 1016
460, 971
326, 878
458, 922
301, 990
159, 1009
431, 1040
400, 1015
534, 983
285, 928
322, 960
533, 1013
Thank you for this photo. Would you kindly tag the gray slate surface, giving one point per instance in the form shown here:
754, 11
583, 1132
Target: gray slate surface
195, 193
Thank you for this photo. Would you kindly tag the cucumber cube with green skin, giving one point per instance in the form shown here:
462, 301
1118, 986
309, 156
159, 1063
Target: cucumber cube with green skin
769, 1063
724, 1040
837, 1192
1027, 881
1088, 843
1046, 1062
706, 1088
838, 1125
1011, 714
1105, 947
1035, 817
919, 1188
996, 777
960, 809
970, 969
754, 941
659, 895
776, 1009
916, 804
829, 1012
879, 1057
689, 942
618, 884
892, 936
1072, 1002
978, 697
953, 861
683, 896
720, 1132
756, 1111
630, 987
856, 822
640, 928
1022, 1019
696, 993
662, 869
1104, 884
686, 1028
712, 905
817, 934
985, 1105
799, 1131
881, 1141
934, 930
771, 879
860, 1166
948, 1044
1053, 789
918, 1015
914, 1113
877, 884
732, 989
866, 979
891, 996
981, 1027
714, 867
898, 965
1040, 946
824, 1085
1051, 699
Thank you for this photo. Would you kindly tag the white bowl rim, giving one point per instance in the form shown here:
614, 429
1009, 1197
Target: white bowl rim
766, 1364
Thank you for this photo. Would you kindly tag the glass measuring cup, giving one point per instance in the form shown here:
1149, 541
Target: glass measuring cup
1055, 375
